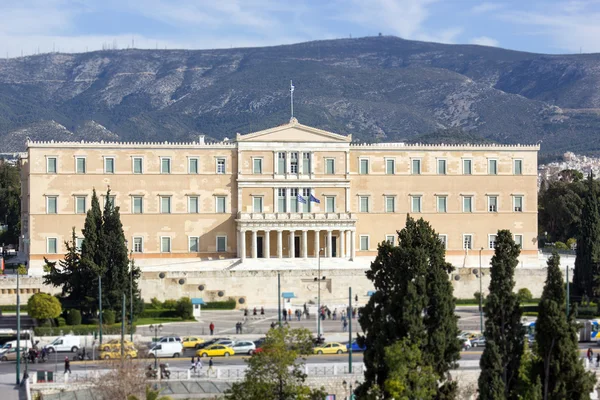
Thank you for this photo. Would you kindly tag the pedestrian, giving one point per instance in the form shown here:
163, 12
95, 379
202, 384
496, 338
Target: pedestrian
335, 314
245, 312
597, 360
210, 366
241, 328
67, 365
237, 328
290, 314
298, 314
590, 354
212, 328
254, 312
354, 313
284, 314
199, 365
343, 314
262, 311
345, 325
328, 313
272, 325
193, 367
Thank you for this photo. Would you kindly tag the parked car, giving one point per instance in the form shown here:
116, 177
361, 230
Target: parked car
115, 344
465, 343
216, 350
11, 355
467, 335
13, 343
192, 342
226, 342
64, 343
244, 347
330, 348
479, 341
129, 352
355, 346
169, 339
209, 342
166, 349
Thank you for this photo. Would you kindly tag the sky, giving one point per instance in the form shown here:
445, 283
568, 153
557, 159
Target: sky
543, 26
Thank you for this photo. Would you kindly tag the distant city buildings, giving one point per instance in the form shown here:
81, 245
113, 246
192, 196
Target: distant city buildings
551, 172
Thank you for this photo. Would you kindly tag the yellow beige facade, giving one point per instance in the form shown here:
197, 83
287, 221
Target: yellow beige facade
285, 192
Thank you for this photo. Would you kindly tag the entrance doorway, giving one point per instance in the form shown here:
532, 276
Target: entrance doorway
334, 246
259, 247
297, 246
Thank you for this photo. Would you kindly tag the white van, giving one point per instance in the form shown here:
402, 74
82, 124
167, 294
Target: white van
170, 349
24, 344
64, 343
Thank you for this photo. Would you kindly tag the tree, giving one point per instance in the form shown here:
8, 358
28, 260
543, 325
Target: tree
559, 368
409, 376
10, 203
277, 373
43, 306
413, 299
504, 332
524, 295
184, 308
588, 244
559, 210
529, 387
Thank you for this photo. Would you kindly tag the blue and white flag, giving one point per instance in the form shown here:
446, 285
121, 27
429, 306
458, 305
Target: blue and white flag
291, 87
314, 199
301, 199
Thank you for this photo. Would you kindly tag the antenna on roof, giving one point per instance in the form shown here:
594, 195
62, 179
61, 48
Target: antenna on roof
292, 100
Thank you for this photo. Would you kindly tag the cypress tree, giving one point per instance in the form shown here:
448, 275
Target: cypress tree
504, 331
559, 367
588, 244
413, 300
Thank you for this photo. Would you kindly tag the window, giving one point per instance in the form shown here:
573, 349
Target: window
78, 243
306, 163
491, 241
441, 167
467, 204
415, 204
390, 204
221, 244
138, 165
51, 165
80, 205
492, 203
109, 165
442, 204
194, 244
519, 240
330, 166
165, 204
281, 203
306, 195
444, 240
193, 165
329, 204
364, 242
518, 167
138, 204
294, 163
467, 242
493, 167
281, 163
467, 167
390, 239
390, 166
257, 165
80, 165
518, 203
165, 244
51, 204
415, 165
51, 246
193, 205
257, 204
363, 202
138, 244
220, 165
363, 166
220, 200
165, 165
293, 200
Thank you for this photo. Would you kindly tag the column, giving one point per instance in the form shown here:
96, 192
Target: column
304, 244
287, 199
254, 245
341, 240
317, 244
292, 247
279, 243
242, 240
352, 245
348, 244
267, 244
329, 243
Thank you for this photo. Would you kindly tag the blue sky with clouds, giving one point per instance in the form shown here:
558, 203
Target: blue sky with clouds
544, 26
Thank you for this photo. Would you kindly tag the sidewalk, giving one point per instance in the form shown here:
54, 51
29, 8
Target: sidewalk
9, 390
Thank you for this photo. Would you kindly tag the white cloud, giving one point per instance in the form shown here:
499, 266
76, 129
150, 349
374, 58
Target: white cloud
486, 8
484, 41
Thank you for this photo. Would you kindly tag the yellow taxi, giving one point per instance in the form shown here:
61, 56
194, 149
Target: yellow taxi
330, 348
115, 344
130, 352
191, 342
216, 350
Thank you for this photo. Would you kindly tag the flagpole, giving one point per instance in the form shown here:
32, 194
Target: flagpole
292, 98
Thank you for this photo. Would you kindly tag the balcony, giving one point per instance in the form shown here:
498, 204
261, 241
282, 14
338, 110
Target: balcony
308, 216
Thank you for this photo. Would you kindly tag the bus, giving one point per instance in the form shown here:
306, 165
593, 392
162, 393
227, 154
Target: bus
589, 331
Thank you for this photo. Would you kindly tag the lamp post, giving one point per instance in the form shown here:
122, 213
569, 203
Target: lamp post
100, 304
318, 279
480, 293
155, 329
349, 314
279, 298
18, 329
130, 292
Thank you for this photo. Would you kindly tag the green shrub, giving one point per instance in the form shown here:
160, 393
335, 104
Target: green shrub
169, 304
571, 243
477, 295
524, 295
154, 304
151, 313
184, 309
80, 330
220, 305
561, 246
108, 317
43, 306
73, 317
60, 321
13, 308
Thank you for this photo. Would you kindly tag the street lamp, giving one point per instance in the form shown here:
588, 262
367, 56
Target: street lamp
130, 289
319, 279
155, 329
480, 293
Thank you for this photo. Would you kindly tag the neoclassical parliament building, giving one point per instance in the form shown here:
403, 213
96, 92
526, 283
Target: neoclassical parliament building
291, 192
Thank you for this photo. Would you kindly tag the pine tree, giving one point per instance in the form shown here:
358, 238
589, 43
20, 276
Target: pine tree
414, 300
504, 331
588, 244
559, 368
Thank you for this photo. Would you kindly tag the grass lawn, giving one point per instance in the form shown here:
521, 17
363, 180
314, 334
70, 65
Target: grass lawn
150, 321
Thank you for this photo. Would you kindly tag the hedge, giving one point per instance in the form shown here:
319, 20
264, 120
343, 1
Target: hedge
152, 313
80, 330
13, 308
220, 305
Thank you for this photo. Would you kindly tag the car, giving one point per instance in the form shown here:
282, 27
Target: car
129, 352
209, 343
479, 341
244, 347
216, 350
355, 346
226, 342
65, 343
465, 343
169, 339
11, 355
467, 335
330, 348
115, 344
172, 349
192, 342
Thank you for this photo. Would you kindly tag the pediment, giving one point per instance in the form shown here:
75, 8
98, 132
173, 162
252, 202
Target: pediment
294, 132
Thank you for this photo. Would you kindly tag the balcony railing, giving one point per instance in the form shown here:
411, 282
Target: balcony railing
308, 216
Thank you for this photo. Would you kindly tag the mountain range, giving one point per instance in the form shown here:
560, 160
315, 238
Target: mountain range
380, 88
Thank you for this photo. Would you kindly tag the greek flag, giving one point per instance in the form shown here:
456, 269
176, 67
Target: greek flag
291, 87
301, 199
314, 199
